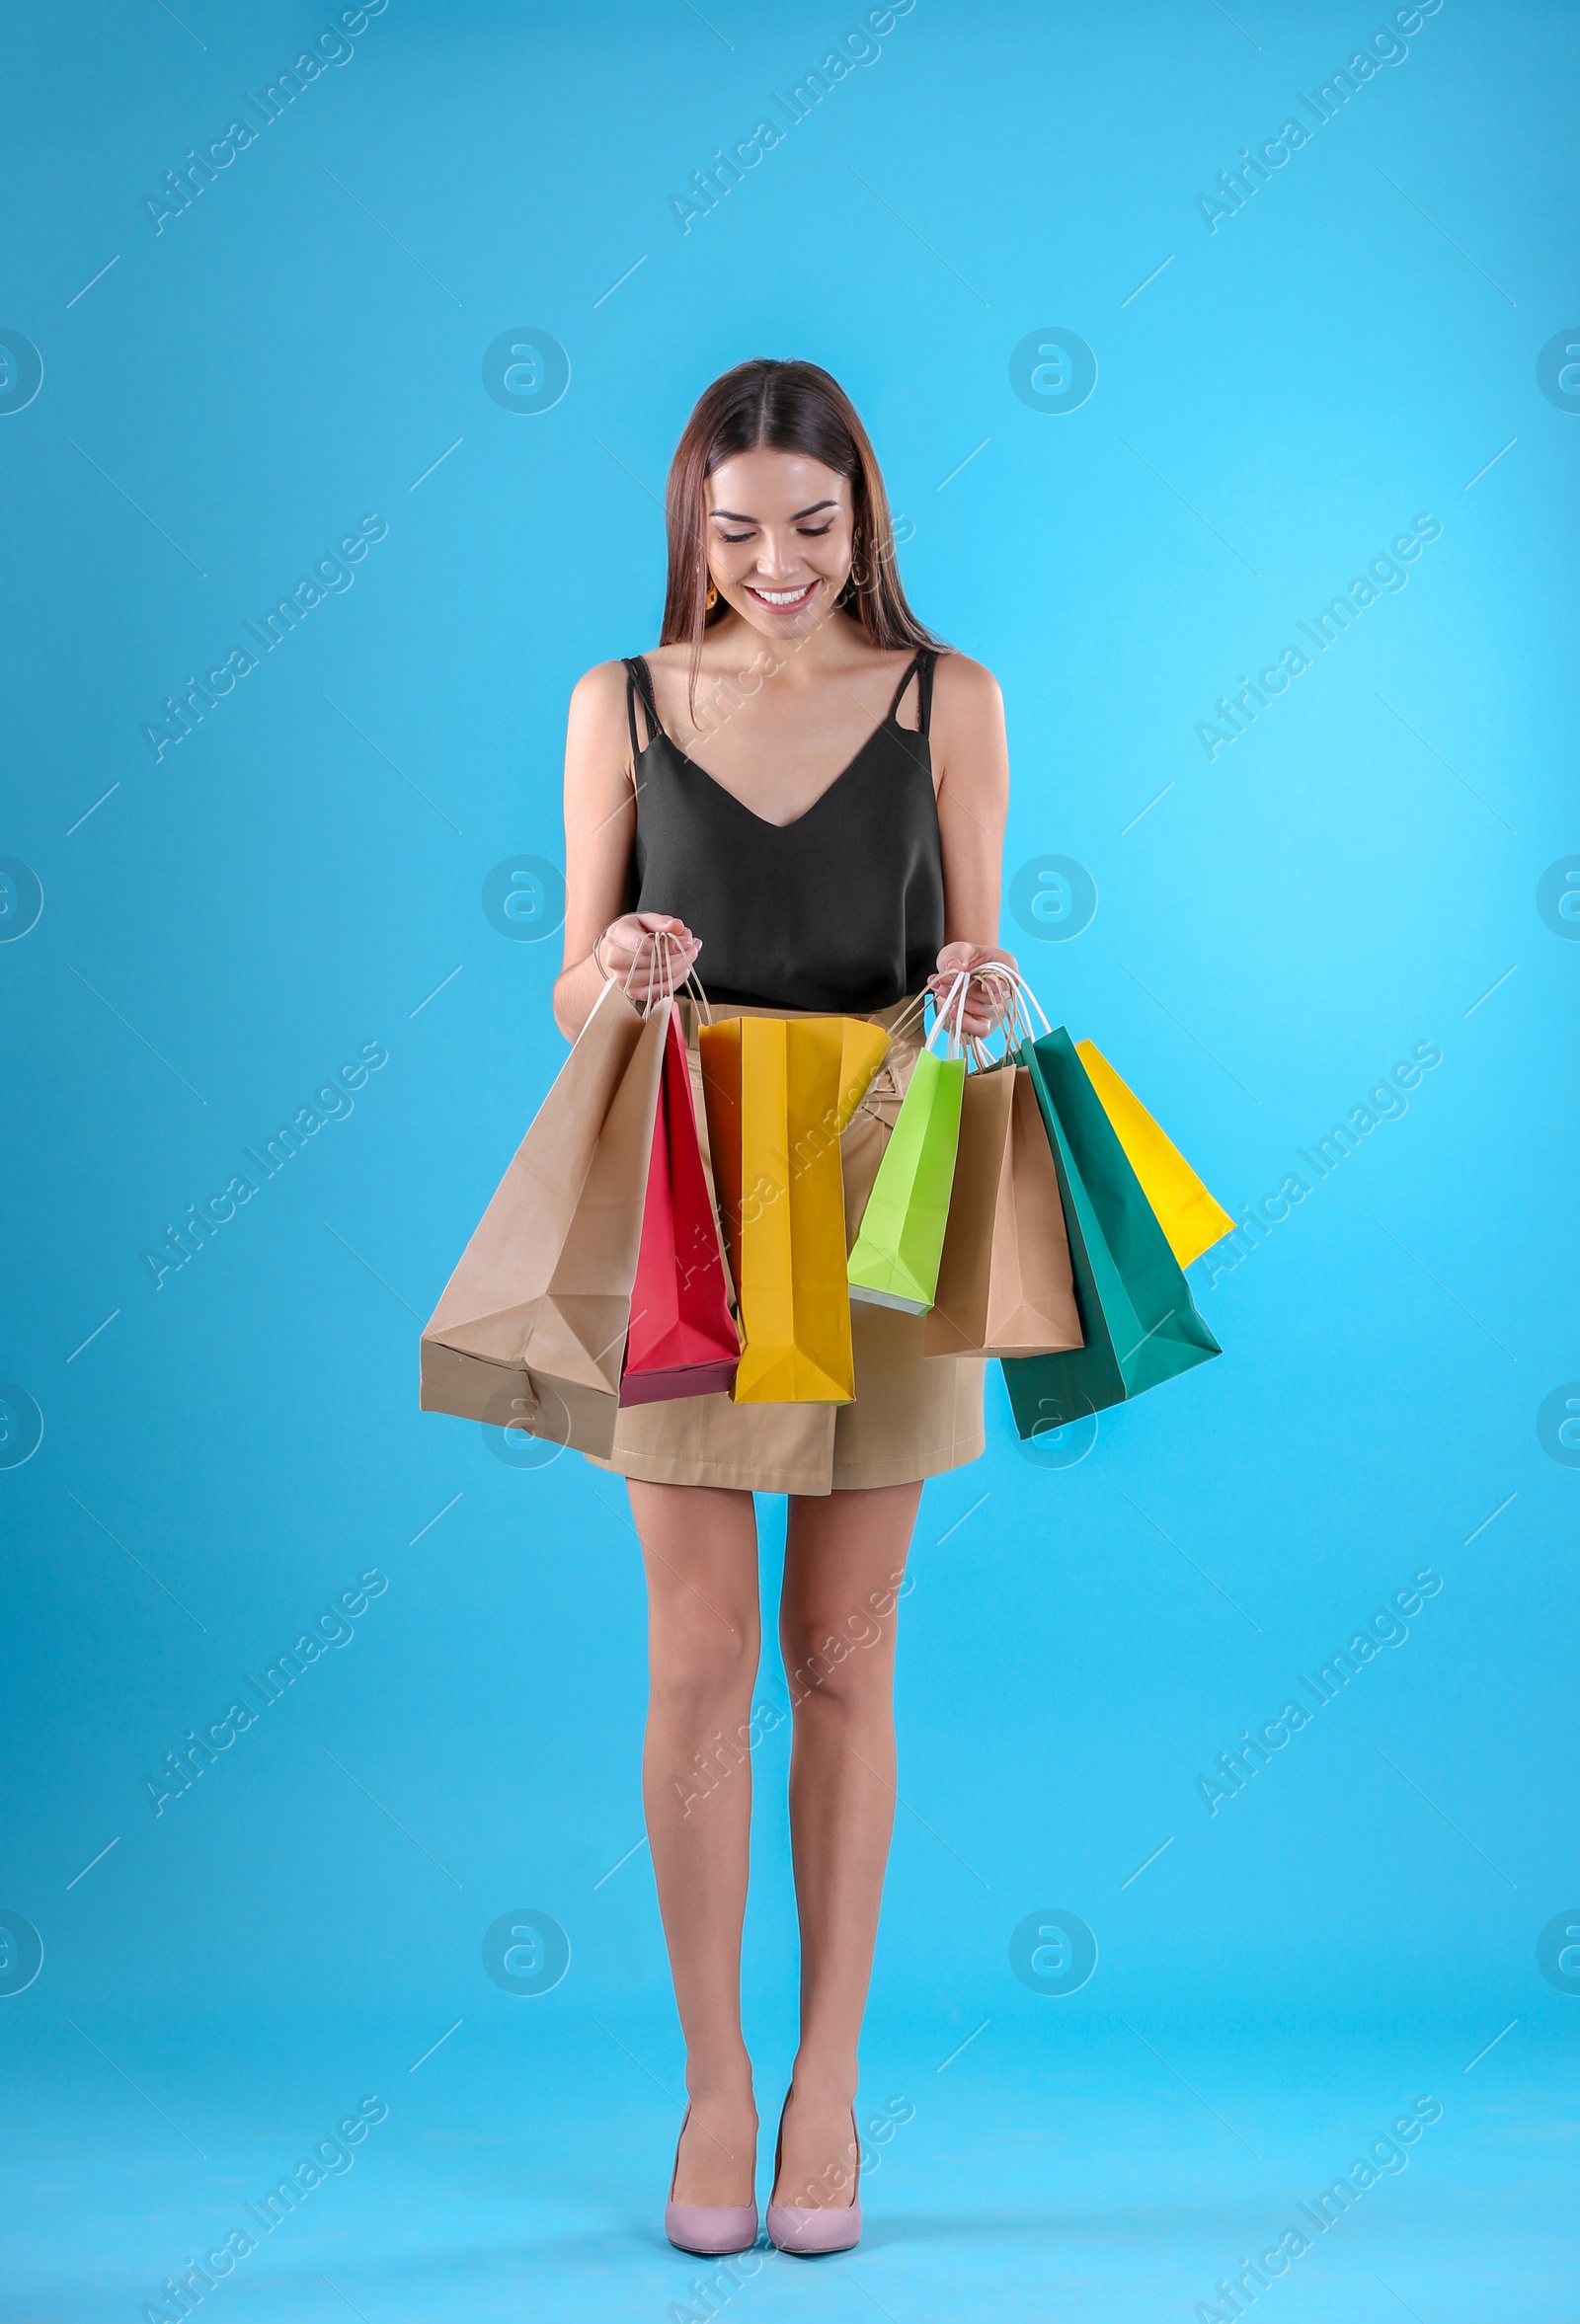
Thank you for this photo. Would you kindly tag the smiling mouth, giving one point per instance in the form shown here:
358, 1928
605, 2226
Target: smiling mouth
782, 600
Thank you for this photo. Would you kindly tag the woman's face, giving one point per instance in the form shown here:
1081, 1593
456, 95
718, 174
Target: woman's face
779, 539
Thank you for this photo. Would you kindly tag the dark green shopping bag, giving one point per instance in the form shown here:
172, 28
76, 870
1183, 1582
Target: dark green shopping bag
1135, 1308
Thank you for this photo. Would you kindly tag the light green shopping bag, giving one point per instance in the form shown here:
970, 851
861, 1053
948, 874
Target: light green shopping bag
894, 1261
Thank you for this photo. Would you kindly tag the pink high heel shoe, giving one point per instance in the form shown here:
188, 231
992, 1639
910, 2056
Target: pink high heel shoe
811, 2231
711, 2231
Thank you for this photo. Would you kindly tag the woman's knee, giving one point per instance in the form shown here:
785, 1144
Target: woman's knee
700, 1662
848, 1658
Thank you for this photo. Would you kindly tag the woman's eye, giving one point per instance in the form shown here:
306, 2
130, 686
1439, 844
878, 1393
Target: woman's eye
814, 533
733, 537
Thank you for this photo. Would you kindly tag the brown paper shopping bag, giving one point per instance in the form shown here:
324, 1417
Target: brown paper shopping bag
1004, 1284
531, 1329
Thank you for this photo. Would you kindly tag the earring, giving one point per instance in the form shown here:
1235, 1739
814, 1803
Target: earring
712, 598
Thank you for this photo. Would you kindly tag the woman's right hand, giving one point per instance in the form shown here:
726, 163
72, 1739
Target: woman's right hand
646, 954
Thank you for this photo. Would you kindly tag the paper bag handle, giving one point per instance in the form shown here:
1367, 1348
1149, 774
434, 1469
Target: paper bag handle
956, 1000
908, 1016
665, 944
918, 1008
1021, 992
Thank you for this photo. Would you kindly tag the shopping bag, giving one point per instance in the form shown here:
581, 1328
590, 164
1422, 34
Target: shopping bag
1139, 1323
1005, 1282
894, 1260
683, 1340
1192, 1218
779, 1092
531, 1329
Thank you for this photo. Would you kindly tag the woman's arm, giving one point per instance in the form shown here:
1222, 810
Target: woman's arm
599, 828
970, 759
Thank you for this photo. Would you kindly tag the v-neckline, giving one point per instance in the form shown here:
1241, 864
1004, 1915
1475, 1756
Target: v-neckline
916, 666
767, 821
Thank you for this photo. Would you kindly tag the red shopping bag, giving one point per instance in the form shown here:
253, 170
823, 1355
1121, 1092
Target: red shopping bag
683, 1340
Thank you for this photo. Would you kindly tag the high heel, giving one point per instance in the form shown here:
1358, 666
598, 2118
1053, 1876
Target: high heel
711, 2231
813, 2230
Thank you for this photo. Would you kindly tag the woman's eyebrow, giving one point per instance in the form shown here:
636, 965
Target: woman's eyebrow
733, 517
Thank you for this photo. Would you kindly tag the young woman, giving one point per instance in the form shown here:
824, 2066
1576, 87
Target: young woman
806, 793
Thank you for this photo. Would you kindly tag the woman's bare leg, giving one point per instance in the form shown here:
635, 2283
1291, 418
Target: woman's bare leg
844, 1561
699, 1545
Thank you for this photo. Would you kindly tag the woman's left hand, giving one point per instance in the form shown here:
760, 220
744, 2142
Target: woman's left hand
986, 998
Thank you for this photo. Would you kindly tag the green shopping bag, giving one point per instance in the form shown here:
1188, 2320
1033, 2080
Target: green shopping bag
894, 1262
1140, 1323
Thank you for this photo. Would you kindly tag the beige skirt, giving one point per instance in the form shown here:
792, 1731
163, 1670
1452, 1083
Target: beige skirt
913, 1416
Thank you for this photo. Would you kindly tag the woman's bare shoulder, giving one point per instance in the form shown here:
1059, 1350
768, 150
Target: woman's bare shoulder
961, 685
600, 689
970, 745
598, 746
596, 728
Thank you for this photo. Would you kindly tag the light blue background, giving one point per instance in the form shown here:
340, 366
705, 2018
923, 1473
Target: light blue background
1354, 875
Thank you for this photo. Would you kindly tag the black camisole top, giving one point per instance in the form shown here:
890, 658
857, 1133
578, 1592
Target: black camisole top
841, 911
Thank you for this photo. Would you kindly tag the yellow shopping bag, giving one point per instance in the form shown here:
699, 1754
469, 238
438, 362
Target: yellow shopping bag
1191, 1218
779, 1092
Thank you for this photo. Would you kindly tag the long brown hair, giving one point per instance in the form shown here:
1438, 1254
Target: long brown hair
781, 407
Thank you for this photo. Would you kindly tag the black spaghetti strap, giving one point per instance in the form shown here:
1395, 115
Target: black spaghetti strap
929, 662
638, 680
920, 668
838, 912
900, 691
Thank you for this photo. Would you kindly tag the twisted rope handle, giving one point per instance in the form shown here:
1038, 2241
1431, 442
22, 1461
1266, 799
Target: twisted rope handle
636, 960
1020, 994
996, 973
918, 1008
702, 1002
955, 1045
661, 965
908, 1017
1011, 1014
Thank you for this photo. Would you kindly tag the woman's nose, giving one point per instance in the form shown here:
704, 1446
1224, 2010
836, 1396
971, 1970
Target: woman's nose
778, 555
